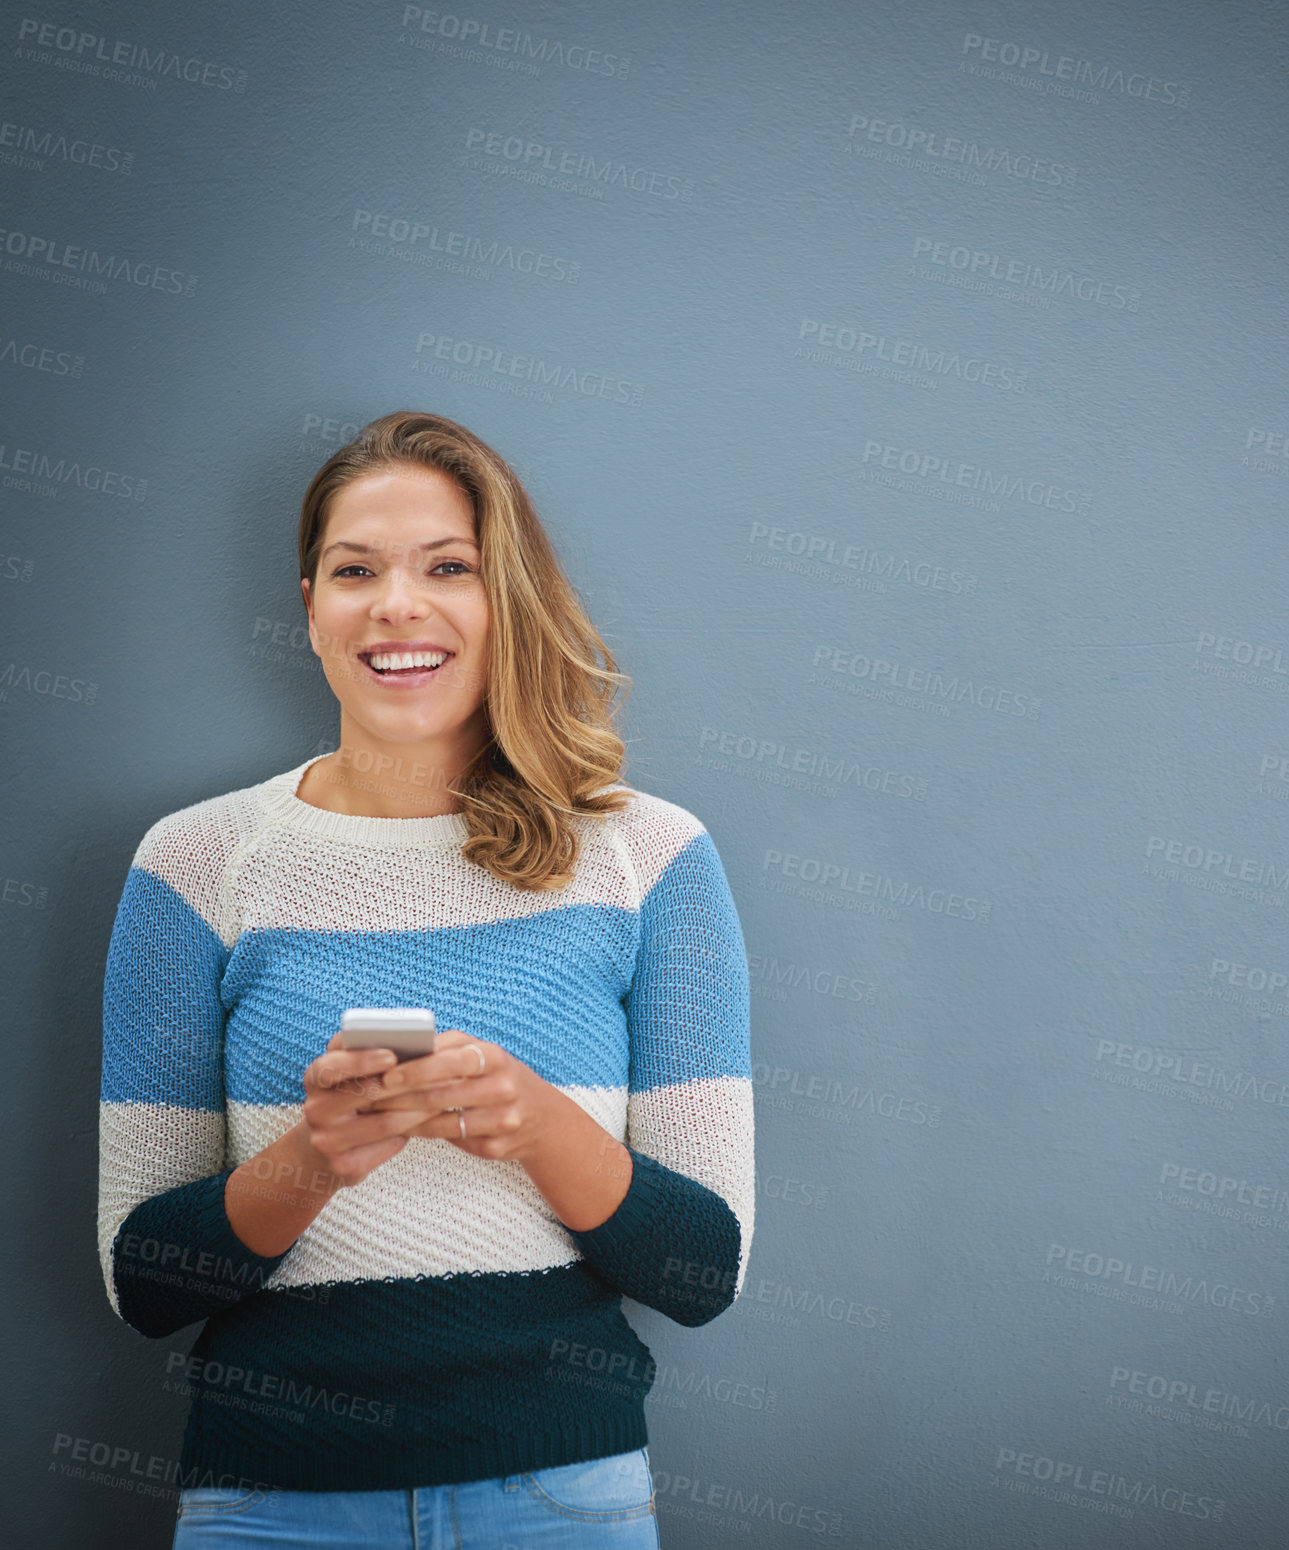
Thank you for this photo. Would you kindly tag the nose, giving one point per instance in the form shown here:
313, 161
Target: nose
399, 595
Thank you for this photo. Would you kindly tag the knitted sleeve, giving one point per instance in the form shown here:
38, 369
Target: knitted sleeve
168, 1253
679, 1240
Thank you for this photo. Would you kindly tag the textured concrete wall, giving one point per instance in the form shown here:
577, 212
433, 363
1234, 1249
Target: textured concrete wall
905, 387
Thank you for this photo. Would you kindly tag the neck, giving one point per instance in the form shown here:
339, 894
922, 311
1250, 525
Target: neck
401, 780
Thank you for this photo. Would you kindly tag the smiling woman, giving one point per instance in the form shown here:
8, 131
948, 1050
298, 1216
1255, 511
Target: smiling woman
407, 1264
521, 723
386, 626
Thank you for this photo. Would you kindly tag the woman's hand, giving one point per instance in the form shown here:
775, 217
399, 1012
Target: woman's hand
474, 1094
272, 1197
487, 1102
352, 1140
361, 1106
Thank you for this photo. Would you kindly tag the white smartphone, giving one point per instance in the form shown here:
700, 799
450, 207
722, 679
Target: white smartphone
407, 1030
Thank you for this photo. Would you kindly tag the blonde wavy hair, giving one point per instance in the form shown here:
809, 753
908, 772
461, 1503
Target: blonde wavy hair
552, 681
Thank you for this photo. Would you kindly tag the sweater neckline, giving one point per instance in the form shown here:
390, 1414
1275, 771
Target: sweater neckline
278, 797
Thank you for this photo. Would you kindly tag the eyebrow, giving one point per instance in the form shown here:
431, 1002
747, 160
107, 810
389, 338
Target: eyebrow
437, 543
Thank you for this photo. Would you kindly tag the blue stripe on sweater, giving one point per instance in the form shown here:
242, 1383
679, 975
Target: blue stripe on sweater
162, 1021
551, 993
556, 992
690, 1002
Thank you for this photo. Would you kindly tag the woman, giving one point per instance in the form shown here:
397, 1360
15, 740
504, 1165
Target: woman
411, 1274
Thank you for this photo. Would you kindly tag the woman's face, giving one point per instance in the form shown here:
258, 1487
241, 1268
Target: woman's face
399, 574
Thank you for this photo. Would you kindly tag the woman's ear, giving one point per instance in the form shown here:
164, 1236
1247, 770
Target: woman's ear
308, 603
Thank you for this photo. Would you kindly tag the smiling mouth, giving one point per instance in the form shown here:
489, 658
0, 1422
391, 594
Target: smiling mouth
394, 664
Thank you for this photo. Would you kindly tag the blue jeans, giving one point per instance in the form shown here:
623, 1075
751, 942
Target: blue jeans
603, 1504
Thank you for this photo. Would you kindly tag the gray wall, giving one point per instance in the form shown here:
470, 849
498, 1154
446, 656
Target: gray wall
905, 387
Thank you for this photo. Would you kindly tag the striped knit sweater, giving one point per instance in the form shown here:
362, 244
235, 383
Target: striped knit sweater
435, 1323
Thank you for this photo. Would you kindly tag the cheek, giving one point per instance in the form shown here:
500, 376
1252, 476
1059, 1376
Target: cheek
474, 621
480, 626
331, 626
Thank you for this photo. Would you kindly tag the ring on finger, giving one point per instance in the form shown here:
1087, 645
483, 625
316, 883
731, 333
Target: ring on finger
478, 1052
461, 1122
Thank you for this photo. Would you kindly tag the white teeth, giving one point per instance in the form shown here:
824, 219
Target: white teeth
384, 662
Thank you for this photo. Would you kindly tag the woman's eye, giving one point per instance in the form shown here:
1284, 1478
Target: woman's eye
460, 568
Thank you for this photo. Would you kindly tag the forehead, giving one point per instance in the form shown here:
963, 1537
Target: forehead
393, 498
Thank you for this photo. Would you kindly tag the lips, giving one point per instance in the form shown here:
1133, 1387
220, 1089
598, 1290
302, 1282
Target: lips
403, 663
